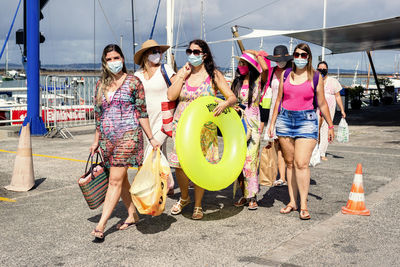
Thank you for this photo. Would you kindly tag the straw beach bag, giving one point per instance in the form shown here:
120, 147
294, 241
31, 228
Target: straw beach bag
94, 183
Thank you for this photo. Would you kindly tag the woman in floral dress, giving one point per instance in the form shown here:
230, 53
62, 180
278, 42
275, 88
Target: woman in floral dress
247, 87
198, 77
120, 111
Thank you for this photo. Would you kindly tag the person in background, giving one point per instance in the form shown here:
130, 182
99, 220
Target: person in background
121, 118
253, 73
332, 96
198, 77
283, 61
297, 124
155, 86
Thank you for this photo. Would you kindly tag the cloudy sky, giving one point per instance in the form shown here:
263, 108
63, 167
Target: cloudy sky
76, 31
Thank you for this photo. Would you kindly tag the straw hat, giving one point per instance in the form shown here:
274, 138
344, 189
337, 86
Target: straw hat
145, 46
251, 59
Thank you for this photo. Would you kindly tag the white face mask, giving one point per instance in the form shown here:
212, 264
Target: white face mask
281, 64
154, 58
115, 66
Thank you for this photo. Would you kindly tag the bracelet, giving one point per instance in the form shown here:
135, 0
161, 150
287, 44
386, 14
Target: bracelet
331, 127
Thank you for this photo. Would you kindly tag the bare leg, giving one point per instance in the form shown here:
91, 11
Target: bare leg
241, 182
287, 146
302, 155
116, 178
183, 182
198, 195
281, 162
126, 198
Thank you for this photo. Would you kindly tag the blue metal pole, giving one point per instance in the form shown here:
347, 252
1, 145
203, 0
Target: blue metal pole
32, 42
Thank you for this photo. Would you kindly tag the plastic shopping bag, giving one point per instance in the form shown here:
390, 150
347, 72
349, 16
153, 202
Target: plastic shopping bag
149, 188
315, 157
164, 166
343, 132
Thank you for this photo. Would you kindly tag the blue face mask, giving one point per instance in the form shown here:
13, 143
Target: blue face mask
300, 62
115, 66
195, 60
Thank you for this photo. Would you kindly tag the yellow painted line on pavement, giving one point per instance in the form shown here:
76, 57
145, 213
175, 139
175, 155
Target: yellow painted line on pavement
54, 157
7, 199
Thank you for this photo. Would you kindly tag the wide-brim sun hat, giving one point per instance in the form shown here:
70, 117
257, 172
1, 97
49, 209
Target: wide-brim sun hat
251, 59
146, 46
281, 53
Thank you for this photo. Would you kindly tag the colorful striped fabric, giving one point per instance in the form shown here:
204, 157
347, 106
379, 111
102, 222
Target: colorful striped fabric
167, 113
95, 188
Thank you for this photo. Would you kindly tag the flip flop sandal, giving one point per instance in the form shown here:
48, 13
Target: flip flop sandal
278, 183
288, 209
179, 205
98, 234
197, 213
253, 205
304, 214
241, 202
125, 223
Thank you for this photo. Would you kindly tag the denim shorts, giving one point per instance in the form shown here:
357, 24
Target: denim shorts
297, 124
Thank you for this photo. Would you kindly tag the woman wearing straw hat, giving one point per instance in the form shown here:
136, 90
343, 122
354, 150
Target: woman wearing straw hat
247, 88
198, 77
153, 76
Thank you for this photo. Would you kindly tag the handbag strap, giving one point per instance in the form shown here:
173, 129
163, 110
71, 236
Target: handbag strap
165, 75
98, 155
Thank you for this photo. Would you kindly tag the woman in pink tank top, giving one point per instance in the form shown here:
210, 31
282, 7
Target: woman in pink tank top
297, 125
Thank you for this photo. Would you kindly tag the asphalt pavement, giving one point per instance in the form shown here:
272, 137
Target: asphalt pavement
51, 224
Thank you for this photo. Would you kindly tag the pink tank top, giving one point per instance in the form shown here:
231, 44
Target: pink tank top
297, 97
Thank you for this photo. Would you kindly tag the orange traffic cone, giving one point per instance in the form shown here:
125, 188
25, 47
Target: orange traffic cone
356, 203
23, 178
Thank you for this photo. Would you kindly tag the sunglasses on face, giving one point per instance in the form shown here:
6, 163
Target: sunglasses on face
195, 52
302, 55
319, 69
156, 51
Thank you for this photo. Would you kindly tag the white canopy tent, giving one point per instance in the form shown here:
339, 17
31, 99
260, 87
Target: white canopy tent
368, 36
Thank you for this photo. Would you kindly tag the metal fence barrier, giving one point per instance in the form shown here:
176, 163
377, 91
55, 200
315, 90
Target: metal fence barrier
67, 102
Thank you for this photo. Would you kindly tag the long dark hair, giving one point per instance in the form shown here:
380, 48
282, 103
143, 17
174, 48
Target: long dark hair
309, 68
238, 82
106, 75
208, 60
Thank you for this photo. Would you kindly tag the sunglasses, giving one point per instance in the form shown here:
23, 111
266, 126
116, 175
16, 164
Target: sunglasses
195, 52
302, 55
156, 51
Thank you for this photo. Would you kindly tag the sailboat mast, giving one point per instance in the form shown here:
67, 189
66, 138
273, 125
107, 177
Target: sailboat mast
6, 57
233, 61
170, 30
323, 40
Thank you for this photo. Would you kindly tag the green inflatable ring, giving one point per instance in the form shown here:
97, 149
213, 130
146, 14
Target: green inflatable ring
209, 176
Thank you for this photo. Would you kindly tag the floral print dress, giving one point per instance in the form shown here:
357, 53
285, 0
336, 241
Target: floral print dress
117, 120
209, 139
250, 169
